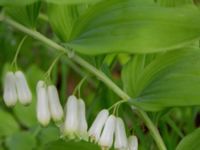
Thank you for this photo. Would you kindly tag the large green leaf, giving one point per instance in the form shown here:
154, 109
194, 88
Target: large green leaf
26, 14
135, 27
190, 142
71, 145
174, 3
49, 134
62, 18
72, 1
16, 2
136, 66
21, 141
8, 124
171, 79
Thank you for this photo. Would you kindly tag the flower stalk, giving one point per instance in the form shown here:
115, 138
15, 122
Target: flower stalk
14, 62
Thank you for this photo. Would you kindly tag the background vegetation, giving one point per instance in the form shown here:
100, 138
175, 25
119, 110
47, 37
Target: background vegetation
150, 49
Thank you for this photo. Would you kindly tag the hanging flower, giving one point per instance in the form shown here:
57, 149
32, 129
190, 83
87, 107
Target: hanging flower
106, 139
71, 119
54, 104
10, 93
23, 91
43, 112
133, 143
120, 135
97, 126
82, 126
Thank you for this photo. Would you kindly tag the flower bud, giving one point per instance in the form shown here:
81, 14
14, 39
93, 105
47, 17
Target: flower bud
97, 126
82, 126
43, 113
10, 93
133, 143
106, 139
23, 91
71, 118
54, 104
120, 135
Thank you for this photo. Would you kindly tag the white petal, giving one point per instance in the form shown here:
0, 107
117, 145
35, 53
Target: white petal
43, 112
106, 139
133, 143
71, 118
82, 128
97, 126
23, 91
54, 104
120, 135
10, 93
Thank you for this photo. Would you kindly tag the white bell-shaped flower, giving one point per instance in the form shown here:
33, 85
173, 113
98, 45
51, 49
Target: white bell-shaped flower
82, 126
133, 143
54, 104
23, 90
71, 119
97, 126
106, 139
43, 112
120, 135
10, 93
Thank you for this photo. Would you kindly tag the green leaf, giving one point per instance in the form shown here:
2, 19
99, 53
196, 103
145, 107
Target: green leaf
190, 142
174, 3
49, 134
134, 27
72, 1
8, 124
62, 18
21, 141
16, 2
1, 148
171, 79
26, 115
137, 64
27, 14
71, 145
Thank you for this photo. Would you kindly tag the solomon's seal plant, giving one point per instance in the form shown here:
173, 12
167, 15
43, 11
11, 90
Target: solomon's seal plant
121, 74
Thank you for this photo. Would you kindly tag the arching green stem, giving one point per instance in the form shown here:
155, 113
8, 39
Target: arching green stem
48, 73
100, 75
78, 87
14, 62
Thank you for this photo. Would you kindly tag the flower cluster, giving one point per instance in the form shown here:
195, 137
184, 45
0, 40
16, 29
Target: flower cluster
75, 124
106, 128
16, 88
48, 104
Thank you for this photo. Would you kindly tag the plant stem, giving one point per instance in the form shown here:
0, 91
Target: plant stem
78, 87
154, 131
48, 73
101, 76
14, 62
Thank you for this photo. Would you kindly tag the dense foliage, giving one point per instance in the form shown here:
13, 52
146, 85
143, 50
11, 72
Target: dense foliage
140, 58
